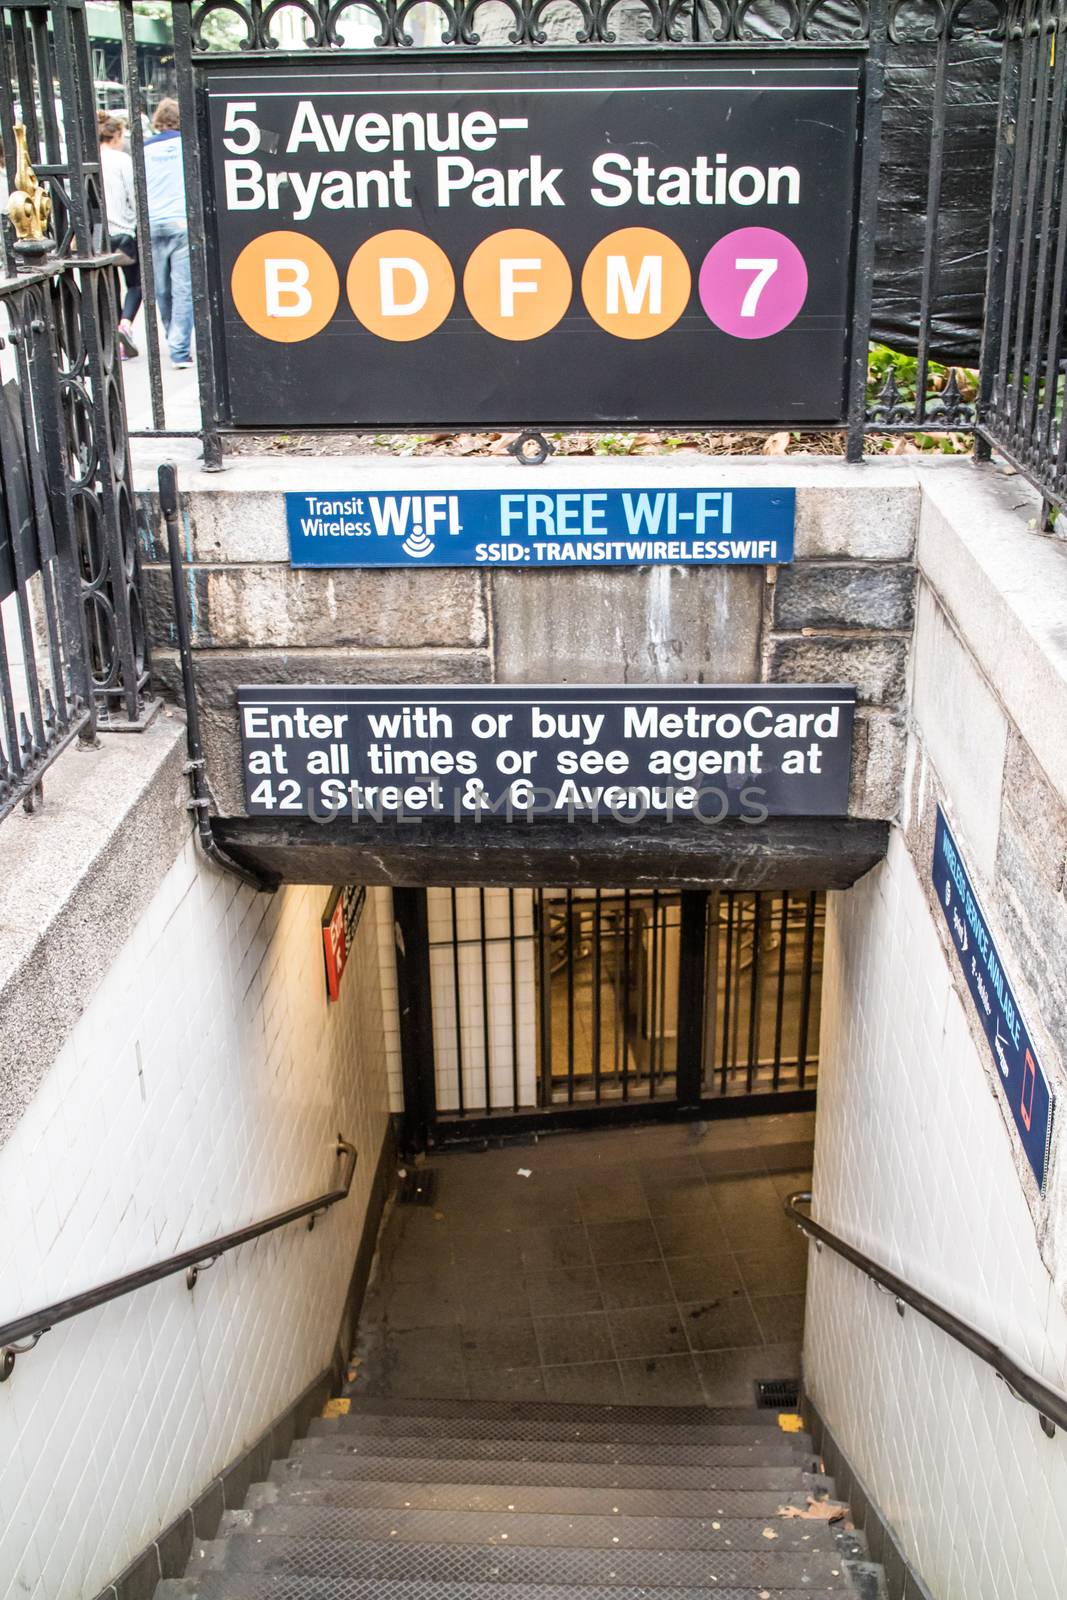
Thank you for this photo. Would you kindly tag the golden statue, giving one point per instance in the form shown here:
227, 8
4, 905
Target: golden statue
30, 207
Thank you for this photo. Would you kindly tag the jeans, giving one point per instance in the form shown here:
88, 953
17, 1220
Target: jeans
174, 287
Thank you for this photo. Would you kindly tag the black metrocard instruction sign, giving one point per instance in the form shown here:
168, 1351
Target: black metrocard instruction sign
437, 243
463, 752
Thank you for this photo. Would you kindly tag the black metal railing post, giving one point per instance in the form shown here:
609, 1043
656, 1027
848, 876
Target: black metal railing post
692, 969
146, 266
1021, 392
867, 227
416, 1021
999, 230
192, 143
121, 674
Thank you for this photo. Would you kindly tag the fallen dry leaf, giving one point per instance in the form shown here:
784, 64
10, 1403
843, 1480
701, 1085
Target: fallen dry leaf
816, 1511
776, 445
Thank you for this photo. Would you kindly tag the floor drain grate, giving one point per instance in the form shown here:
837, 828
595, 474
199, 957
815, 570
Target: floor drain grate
417, 1188
777, 1394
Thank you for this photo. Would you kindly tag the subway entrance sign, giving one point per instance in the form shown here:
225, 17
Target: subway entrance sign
557, 752
521, 243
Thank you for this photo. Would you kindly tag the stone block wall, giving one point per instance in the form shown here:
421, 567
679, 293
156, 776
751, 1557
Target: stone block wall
843, 613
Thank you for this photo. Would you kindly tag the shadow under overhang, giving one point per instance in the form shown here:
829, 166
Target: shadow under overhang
793, 853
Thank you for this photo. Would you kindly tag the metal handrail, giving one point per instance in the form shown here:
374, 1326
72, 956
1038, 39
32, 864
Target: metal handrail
1050, 1404
193, 1262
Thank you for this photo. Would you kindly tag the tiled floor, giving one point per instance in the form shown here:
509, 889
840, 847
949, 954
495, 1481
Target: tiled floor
646, 1265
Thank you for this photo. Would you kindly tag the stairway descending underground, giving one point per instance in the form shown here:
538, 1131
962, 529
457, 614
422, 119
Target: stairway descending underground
461, 1500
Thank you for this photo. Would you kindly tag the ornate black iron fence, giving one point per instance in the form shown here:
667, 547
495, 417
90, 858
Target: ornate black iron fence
941, 78
1024, 355
930, 100
45, 685
72, 642
950, 85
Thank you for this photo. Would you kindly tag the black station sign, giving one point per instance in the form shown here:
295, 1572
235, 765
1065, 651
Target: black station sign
465, 752
522, 242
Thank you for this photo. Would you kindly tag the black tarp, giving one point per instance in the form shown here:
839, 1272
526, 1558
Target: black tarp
972, 86
971, 96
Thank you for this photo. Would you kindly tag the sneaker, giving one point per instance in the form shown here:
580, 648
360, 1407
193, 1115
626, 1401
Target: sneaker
126, 344
183, 361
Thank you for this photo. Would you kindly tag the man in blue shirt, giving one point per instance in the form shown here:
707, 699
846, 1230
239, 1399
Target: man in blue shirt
165, 181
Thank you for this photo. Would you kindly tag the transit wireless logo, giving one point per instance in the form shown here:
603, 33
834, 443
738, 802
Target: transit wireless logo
415, 520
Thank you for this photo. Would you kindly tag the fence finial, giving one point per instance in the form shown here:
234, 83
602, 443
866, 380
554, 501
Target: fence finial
30, 206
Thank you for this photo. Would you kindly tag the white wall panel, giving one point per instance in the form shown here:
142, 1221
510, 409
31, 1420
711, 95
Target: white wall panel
913, 1164
202, 1088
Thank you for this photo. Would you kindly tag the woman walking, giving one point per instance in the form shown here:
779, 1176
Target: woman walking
116, 167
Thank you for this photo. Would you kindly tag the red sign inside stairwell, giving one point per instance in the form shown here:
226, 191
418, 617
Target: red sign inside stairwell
339, 923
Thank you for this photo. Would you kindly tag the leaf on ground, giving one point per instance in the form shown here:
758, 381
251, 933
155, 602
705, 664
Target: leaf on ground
776, 445
816, 1511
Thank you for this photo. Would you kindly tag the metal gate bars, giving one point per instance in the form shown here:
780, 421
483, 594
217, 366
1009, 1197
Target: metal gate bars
536, 1008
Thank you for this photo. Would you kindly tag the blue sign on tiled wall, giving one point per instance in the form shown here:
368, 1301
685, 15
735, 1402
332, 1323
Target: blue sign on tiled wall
1024, 1085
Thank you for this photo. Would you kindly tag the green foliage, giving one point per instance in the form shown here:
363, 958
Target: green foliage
882, 361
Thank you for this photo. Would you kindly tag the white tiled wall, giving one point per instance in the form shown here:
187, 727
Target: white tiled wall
202, 1088
912, 1162
382, 902
457, 927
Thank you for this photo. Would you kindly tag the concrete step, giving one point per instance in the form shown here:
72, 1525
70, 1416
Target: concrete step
390, 1559
274, 1586
553, 1530
777, 1449
365, 1426
558, 1474
535, 1499
524, 1411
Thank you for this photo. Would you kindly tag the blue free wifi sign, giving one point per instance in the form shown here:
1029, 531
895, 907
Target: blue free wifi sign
541, 528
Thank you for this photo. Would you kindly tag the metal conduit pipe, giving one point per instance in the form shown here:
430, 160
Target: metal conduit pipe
195, 767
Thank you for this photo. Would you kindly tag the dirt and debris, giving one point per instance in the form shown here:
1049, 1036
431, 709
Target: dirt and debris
584, 443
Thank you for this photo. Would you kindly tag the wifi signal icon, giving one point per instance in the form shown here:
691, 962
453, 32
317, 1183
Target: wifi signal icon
417, 543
